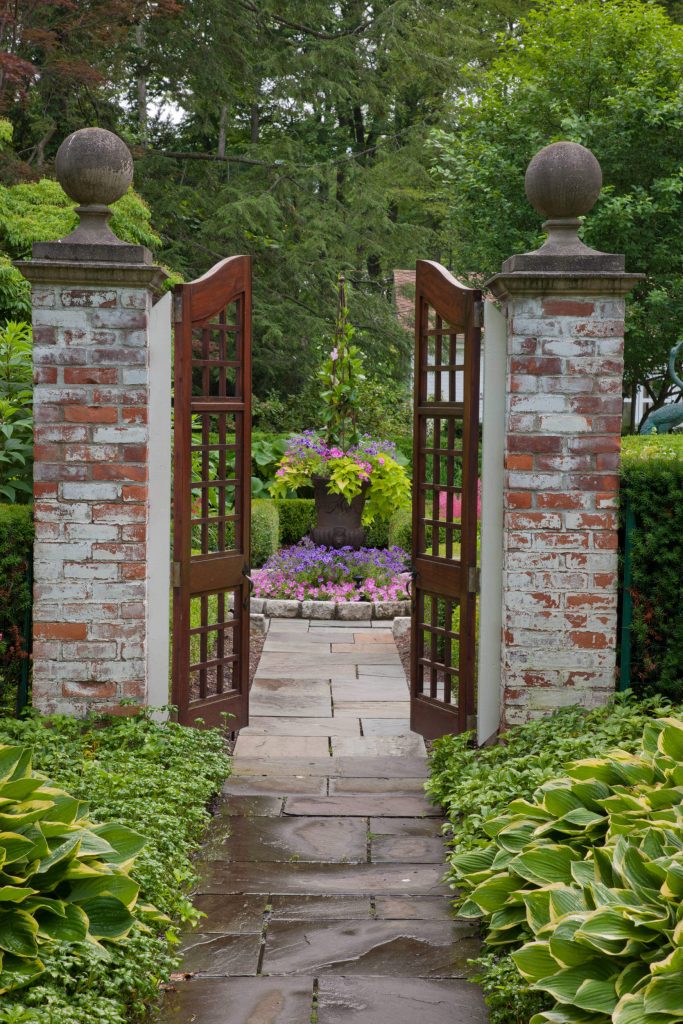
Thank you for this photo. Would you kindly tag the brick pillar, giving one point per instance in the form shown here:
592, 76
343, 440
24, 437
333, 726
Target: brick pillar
565, 315
92, 307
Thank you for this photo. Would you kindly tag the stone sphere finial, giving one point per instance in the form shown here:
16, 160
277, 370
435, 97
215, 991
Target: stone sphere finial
563, 180
94, 166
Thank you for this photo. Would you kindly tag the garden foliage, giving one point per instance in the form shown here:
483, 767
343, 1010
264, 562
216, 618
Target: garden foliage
307, 572
297, 518
265, 526
64, 879
652, 481
367, 463
588, 877
16, 543
474, 785
153, 779
16, 414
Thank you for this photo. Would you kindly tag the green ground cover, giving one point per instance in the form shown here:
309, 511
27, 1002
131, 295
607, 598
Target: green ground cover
477, 786
156, 779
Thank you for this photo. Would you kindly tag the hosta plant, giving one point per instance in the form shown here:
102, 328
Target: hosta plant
63, 879
588, 878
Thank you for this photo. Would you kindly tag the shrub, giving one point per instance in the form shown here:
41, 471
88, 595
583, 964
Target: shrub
155, 779
16, 542
652, 479
400, 531
589, 875
265, 530
377, 533
297, 518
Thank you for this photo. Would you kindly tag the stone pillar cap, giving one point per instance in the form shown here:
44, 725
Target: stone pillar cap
95, 168
563, 182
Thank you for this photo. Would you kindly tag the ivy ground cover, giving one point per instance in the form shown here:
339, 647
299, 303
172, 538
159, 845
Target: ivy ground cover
309, 572
156, 780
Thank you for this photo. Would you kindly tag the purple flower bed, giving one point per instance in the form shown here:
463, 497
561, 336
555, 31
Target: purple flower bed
309, 573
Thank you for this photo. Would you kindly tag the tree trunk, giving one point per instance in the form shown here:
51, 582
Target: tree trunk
254, 123
142, 84
222, 126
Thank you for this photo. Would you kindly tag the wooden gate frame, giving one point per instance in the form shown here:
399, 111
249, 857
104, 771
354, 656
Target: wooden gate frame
455, 310
196, 307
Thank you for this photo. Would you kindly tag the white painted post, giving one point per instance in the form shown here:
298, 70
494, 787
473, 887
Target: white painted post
493, 482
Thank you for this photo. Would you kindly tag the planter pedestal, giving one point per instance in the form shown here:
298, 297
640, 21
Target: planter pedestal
338, 522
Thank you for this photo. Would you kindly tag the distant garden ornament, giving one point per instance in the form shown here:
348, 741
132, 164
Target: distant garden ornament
667, 417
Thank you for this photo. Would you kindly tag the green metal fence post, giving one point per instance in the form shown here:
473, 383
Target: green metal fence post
627, 606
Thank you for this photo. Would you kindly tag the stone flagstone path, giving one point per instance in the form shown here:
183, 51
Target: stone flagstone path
321, 880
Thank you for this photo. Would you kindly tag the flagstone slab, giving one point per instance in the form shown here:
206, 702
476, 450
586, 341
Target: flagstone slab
251, 806
279, 645
264, 725
394, 787
368, 692
274, 785
281, 746
409, 908
273, 840
438, 949
407, 850
291, 664
381, 746
378, 709
230, 914
305, 879
324, 908
360, 805
337, 767
386, 726
398, 1001
312, 672
339, 624
374, 636
429, 827
381, 670
212, 956
241, 1001
277, 697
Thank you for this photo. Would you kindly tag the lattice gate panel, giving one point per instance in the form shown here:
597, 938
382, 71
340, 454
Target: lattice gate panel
445, 494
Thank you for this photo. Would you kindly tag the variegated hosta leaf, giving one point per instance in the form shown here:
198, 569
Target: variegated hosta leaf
63, 879
589, 878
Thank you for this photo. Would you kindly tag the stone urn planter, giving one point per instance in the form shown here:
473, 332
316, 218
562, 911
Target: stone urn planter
338, 522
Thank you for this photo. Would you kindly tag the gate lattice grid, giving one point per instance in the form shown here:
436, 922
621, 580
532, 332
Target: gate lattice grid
212, 484
446, 435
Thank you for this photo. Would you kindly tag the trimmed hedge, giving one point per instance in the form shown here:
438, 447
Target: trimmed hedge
265, 531
16, 543
297, 518
652, 480
401, 529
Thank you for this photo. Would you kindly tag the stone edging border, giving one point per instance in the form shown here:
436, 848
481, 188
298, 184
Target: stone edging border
348, 611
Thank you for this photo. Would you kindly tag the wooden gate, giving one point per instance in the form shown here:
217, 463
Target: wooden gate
445, 494
211, 495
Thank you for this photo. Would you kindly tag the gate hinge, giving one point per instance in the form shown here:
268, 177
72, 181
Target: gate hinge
473, 580
175, 574
177, 306
479, 314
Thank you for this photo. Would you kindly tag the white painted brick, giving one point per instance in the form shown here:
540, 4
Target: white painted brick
135, 376
133, 434
90, 571
60, 551
542, 403
565, 423
95, 491
91, 531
